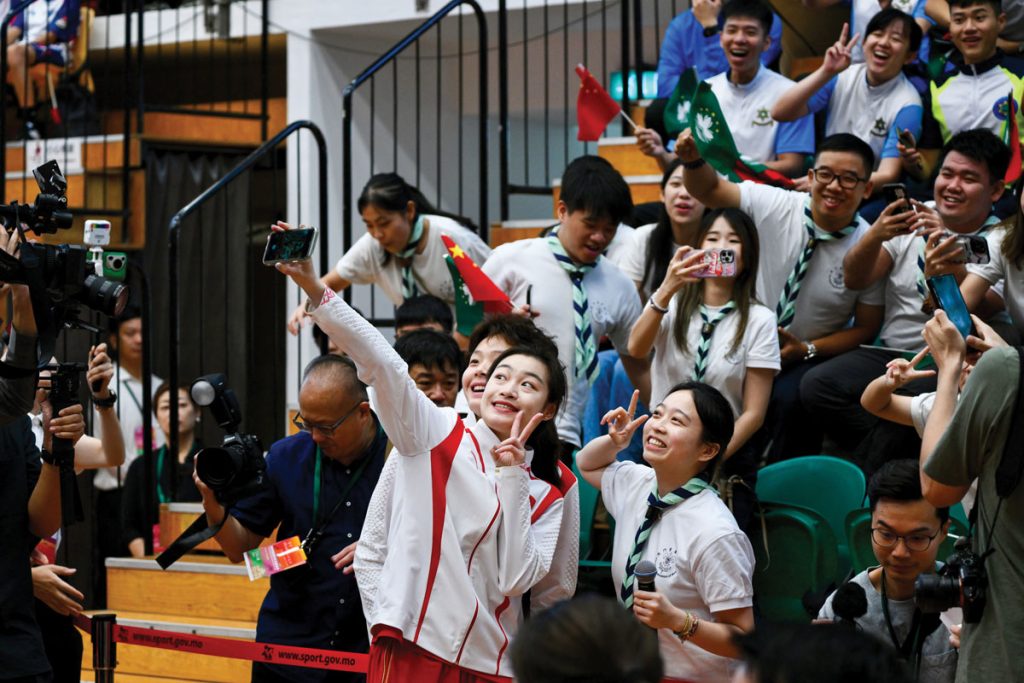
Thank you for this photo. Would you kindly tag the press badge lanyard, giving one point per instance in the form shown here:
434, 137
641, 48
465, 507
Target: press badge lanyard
161, 452
913, 644
317, 530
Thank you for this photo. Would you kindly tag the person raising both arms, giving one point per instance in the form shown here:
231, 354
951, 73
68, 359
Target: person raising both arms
402, 251
711, 329
437, 608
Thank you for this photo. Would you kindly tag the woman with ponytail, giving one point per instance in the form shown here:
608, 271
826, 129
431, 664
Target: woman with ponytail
402, 251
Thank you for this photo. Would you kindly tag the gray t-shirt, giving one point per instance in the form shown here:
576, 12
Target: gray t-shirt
970, 449
938, 658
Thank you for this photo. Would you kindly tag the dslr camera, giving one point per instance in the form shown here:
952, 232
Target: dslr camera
962, 582
61, 269
236, 469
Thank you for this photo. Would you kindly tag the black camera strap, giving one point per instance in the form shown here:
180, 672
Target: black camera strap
197, 532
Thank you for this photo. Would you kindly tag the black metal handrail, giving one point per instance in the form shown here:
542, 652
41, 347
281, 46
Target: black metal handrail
389, 57
174, 235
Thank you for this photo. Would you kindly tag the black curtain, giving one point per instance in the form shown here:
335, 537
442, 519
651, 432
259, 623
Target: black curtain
232, 306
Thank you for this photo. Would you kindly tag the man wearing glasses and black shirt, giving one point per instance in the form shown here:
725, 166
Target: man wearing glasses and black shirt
906, 532
320, 478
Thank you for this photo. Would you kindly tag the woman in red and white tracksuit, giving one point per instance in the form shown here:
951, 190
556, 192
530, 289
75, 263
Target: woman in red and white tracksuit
448, 546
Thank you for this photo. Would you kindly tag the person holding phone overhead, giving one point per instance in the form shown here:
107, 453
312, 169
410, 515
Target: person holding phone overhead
402, 251
713, 330
448, 549
905, 246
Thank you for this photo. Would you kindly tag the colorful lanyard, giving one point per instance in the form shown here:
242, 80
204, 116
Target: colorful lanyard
164, 498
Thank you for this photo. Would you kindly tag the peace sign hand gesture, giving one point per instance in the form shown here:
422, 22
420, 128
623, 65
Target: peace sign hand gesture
899, 371
837, 57
512, 451
621, 424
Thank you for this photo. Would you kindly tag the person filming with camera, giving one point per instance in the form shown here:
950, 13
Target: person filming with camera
980, 437
320, 483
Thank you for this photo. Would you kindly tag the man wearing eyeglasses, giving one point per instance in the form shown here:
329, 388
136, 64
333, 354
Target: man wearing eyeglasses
804, 238
906, 245
321, 480
906, 533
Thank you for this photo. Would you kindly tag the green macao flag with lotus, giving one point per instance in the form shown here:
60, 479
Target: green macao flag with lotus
693, 105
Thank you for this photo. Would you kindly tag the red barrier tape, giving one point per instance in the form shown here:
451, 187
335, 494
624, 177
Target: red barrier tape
267, 653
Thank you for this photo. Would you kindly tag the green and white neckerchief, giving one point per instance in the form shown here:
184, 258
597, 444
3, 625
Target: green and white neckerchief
409, 288
585, 365
707, 330
785, 311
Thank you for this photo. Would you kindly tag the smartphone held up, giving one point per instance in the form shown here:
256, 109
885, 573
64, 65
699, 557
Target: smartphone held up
718, 263
289, 246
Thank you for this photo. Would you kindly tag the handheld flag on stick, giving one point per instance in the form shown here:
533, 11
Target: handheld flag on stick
1013, 140
595, 108
475, 293
693, 105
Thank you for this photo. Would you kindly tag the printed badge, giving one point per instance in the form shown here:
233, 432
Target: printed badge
271, 559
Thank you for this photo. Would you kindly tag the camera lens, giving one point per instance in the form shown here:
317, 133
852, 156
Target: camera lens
217, 466
936, 593
103, 295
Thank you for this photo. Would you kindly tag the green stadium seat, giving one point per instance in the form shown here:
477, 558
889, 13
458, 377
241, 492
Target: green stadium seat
589, 497
795, 551
829, 486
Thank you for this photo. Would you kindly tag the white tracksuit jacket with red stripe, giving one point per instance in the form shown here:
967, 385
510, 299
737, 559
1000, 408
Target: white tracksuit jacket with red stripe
447, 546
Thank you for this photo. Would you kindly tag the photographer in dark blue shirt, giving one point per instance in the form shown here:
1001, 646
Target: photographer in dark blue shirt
321, 478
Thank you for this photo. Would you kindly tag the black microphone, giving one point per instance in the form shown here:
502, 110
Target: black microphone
645, 572
849, 603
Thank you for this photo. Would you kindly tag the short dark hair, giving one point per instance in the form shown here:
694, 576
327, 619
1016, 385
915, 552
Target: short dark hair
588, 638
130, 312
890, 15
515, 329
997, 5
716, 418
423, 309
592, 185
982, 146
431, 349
164, 388
338, 369
788, 652
752, 9
899, 480
847, 142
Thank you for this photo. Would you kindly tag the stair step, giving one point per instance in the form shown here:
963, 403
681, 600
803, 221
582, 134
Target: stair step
199, 586
510, 231
643, 188
626, 157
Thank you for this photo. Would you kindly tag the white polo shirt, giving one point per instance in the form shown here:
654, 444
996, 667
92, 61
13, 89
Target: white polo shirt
612, 302
998, 268
705, 563
129, 415
904, 319
725, 369
824, 304
747, 109
634, 259
363, 264
874, 113
621, 244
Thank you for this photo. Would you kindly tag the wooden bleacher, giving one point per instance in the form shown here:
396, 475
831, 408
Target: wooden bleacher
203, 593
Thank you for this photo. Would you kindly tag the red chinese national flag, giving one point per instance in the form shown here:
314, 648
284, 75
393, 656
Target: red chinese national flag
595, 108
481, 288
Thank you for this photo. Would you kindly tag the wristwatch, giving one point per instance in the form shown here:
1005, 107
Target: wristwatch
812, 350
710, 30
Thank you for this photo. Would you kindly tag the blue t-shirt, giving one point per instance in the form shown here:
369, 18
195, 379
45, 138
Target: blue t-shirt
686, 46
314, 605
